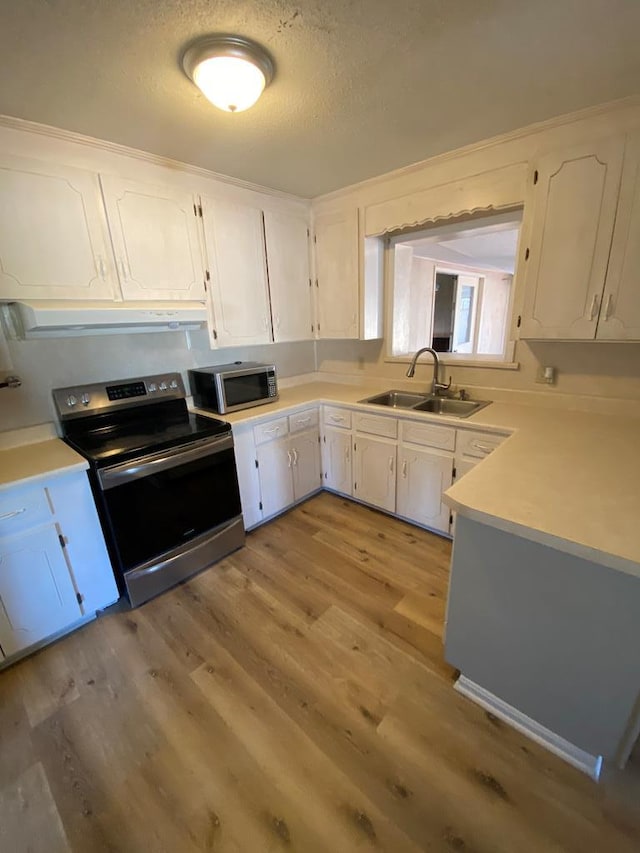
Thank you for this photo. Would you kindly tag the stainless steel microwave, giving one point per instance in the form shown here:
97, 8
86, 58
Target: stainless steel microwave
228, 387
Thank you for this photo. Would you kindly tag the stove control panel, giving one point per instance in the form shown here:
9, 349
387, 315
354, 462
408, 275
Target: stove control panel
88, 399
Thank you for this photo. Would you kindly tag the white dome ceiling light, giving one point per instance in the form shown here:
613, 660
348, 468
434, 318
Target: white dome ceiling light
231, 71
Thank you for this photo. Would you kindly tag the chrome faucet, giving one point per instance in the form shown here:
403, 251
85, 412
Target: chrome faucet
435, 384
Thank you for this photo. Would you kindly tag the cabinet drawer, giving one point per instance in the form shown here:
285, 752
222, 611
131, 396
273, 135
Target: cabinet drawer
337, 417
429, 435
22, 509
271, 429
303, 420
388, 427
478, 444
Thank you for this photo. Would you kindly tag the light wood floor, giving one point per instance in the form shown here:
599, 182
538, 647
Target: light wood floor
294, 697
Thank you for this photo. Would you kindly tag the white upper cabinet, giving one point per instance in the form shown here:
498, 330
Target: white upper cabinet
287, 242
336, 250
574, 199
155, 240
54, 241
620, 313
239, 293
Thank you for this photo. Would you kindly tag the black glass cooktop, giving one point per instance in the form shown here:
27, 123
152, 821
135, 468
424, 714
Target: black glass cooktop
106, 440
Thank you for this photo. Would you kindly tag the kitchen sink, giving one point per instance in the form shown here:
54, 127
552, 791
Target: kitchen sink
397, 399
453, 408
427, 403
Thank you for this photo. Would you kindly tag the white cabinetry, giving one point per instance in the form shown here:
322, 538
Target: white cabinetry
288, 457
54, 568
54, 241
374, 471
573, 210
248, 479
155, 239
425, 466
620, 312
287, 246
336, 253
239, 293
336, 460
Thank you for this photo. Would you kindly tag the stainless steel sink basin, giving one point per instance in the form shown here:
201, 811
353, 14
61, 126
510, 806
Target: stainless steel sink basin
397, 399
426, 403
453, 408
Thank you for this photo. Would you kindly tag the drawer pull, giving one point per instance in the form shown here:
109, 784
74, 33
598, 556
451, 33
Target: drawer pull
273, 429
303, 420
404, 469
337, 419
485, 448
295, 457
290, 459
391, 464
12, 514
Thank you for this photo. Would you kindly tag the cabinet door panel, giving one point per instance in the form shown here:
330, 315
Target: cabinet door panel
287, 243
423, 475
574, 208
337, 274
234, 240
54, 241
620, 314
336, 460
155, 239
276, 481
375, 472
37, 597
306, 463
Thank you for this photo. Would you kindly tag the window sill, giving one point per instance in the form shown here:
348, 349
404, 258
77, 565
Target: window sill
453, 360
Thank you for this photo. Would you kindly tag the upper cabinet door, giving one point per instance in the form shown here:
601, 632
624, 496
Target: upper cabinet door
336, 240
54, 241
155, 239
287, 239
574, 208
234, 240
620, 314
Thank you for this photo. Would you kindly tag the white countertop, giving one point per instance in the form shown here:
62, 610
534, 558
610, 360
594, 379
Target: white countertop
32, 462
567, 479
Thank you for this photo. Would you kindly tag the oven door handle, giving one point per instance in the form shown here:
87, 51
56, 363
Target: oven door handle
118, 475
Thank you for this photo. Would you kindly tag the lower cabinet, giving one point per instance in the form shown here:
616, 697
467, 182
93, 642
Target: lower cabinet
336, 457
54, 568
423, 476
274, 471
37, 596
305, 464
374, 471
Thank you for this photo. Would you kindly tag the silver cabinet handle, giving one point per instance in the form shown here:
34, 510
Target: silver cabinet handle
391, 464
404, 469
295, 456
100, 267
272, 430
123, 270
609, 307
337, 419
594, 306
303, 421
12, 514
485, 448
290, 459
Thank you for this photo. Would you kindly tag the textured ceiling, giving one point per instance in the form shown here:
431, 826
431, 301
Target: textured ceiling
360, 87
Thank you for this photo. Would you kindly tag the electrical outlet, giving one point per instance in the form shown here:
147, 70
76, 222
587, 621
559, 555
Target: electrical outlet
546, 375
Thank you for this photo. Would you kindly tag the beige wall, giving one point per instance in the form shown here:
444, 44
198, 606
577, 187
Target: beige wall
593, 369
58, 362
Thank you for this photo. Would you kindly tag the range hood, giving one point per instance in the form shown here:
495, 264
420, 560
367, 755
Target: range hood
57, 318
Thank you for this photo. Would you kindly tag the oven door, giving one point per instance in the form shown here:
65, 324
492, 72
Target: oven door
159, 503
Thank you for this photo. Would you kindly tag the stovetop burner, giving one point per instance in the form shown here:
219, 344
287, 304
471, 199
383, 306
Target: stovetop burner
111, 423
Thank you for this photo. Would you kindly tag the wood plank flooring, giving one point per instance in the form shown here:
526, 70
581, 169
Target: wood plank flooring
292, 698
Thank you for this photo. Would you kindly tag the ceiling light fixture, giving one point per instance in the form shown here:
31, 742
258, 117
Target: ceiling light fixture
230, 71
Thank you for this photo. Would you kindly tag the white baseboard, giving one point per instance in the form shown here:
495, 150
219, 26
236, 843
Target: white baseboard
584, 761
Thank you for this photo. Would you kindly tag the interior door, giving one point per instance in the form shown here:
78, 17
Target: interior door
287, 244
54, 240
37, 597
155, 239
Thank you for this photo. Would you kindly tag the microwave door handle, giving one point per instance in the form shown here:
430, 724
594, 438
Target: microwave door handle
118, 475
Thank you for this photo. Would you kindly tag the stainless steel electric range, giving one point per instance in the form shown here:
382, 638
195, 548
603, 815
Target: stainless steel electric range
164, 479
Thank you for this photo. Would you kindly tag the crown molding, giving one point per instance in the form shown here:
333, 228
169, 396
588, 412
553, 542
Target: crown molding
484, 144
21, 124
